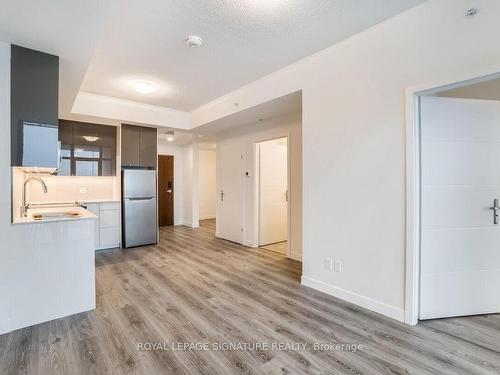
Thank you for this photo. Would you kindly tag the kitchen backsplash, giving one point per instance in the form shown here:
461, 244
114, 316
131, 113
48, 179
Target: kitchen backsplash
68, 188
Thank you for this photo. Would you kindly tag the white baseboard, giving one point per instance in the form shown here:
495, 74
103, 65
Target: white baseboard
191, 225
207, 217
357, 299
249, 244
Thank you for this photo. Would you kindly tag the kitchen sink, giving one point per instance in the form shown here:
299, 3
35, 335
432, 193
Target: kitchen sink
55, 215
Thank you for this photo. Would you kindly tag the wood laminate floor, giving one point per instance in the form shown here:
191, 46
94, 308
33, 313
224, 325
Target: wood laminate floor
194, 288
208, 224
278, 247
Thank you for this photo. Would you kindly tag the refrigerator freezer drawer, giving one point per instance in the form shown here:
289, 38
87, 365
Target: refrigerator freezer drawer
140, 226
139, 183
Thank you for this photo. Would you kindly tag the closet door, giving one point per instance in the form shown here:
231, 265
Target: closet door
229, 195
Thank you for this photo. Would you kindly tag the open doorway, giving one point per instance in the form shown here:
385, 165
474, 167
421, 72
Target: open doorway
454, 225
273, 195
207, 185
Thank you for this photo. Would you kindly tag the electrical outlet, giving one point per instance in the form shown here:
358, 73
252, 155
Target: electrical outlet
337, 266
83, 190
329, 264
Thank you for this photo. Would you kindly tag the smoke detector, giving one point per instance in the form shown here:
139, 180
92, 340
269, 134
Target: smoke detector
193, 41
471, 12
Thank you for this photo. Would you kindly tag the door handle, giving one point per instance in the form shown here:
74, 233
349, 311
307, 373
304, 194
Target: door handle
222, 195
495, 209
169, 191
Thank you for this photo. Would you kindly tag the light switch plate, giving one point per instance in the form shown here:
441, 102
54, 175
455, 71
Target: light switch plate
83, 190
329, 264
337, 266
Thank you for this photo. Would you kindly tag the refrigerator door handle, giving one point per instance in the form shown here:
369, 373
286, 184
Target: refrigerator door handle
140, 199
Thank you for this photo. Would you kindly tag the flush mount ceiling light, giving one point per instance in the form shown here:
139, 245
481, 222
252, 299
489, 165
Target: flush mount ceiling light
143, 87
266, 5
193, 41
90, 138
169, 135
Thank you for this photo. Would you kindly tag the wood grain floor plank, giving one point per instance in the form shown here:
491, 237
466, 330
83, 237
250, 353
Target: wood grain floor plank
195, 288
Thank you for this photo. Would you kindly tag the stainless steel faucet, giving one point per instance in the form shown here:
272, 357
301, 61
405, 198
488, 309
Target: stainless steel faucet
26, 206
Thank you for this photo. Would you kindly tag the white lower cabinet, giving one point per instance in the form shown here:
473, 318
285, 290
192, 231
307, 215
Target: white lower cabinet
108, 233
109, 237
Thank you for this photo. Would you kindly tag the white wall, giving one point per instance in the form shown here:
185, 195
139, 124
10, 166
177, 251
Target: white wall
190, 183
354, 138
5, 190
206, 183
18, 177
246, 138
185, 182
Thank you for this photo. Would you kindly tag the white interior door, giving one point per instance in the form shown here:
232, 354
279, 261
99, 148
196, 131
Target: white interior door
229, 196
460, 243
273, 192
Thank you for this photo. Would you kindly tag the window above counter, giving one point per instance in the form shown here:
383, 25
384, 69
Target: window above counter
87, 149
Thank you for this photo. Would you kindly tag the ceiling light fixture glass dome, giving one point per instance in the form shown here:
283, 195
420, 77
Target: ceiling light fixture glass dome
143, 86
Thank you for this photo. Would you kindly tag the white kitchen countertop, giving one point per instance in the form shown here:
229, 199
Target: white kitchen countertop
89, 201
84, 215
101, 201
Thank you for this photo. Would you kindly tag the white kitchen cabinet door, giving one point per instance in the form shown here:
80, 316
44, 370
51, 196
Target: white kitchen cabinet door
109, 237
460, 241
109, 219
229, 195
94, 208
110, 206
108, 225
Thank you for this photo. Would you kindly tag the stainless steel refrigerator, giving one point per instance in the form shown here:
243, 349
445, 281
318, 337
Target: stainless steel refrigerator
140, 226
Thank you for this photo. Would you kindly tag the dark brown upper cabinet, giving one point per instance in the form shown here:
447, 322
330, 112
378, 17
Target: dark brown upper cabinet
138, 146
87, 149
34, 108
130, 146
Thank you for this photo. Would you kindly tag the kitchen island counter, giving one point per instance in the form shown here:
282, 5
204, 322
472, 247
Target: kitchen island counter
52, 268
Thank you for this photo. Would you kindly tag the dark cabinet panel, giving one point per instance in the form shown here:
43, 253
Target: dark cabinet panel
148, 147
130, 146
87, 149
139, 146
34, 108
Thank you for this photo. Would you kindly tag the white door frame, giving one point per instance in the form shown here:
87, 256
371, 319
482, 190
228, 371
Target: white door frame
257, 189
413, 193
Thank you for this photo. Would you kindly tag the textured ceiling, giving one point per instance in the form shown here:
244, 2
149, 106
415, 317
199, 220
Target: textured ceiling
244, 40
290, 104
103, 44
